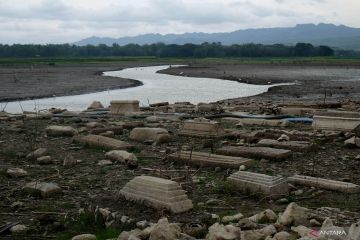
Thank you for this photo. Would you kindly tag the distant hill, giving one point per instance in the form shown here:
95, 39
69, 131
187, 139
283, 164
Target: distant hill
322, 34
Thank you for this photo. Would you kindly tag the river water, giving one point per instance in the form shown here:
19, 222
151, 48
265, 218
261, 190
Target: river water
157, 88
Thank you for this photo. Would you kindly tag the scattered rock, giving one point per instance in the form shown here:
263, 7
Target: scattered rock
95, 105
122, 157
221, 232
44, 160
164, 230
16, 172
69, 161
43, 189
104, 162
294, 215
155, 135
37, 153
61, 131
18, 229
84, 237
284, 138
267, 216
233, 218
259, 234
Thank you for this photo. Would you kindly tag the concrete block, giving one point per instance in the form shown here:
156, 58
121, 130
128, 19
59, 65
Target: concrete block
209, 160
259, 183
202, 129
122, 107
292, 145
158, 193
328, 184
61, 131
336, 120
256, 152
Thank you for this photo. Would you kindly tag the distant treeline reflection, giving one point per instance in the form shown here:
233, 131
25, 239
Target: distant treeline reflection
166, 50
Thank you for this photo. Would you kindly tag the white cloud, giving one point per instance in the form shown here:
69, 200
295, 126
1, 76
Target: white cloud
48, 21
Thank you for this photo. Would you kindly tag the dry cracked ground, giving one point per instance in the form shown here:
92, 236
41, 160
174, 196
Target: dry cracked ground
83, 192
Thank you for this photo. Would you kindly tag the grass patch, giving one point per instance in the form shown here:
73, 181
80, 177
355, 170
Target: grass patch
225, 187
85, 223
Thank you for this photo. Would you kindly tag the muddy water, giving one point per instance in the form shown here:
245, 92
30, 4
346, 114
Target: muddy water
157, 88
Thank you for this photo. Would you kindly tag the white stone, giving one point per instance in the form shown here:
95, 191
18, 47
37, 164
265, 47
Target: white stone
266, 216
16, 172
18, 229
61, 131
122, 157
233, 218
294, 215
156, 135
164, 230
221, 232
84, 237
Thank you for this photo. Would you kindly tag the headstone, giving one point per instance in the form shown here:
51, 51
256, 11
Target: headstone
328, 184
202, 128
209, 160
336, 120
158, 193
259, 183
103, 142
122, 107
292, 145
256, 152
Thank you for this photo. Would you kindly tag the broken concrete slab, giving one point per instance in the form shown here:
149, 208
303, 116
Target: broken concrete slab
263, 122
202, 128
122, 107
155, 135
61, 131
37, 153
328, 184
103, 142
292, 145
256, 152
158, 193
209, 160
42, 189
259, 183
336, 120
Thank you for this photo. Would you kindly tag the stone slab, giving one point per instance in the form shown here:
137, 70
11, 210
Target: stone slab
202, 129
336, 120
209, 160
42, 188
61, 131
158, 193
292, 145
103, 142
259, 183
256, 152
328, 184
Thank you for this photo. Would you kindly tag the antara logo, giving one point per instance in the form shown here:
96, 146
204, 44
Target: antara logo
328, 233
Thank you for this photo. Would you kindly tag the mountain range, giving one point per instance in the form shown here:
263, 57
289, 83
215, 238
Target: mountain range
337, 36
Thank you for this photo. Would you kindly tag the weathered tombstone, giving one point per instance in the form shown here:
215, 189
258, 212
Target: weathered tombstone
103, 142
328, 184
259, 183
210, 160
202, 128
292, 145
158, 193
336, 120
122, 107
256, 152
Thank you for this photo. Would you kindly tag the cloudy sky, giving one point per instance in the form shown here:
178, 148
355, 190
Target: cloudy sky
60, 21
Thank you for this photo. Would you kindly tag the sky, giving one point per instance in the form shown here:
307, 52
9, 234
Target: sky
67, 21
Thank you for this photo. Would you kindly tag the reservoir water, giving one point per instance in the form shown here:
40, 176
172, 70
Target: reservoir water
157, 88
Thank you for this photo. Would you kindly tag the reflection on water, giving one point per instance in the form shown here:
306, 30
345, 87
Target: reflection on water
157, 88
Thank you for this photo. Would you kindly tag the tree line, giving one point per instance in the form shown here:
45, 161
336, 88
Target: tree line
165, 50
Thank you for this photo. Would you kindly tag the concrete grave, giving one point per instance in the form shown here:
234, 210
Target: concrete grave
259, 183
122, 107
256, 152
292, 145
336, 120
202, 128
103, 142
210, 160
328, 184
158, 193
